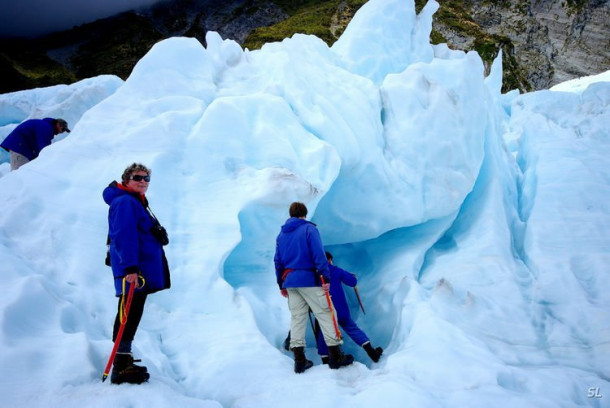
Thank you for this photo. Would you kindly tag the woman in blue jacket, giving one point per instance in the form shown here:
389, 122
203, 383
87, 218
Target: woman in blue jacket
136, 255
27, 140
338, 278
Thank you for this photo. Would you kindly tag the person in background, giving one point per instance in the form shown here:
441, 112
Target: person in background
299, 261
136, 255
338, 278
27, 140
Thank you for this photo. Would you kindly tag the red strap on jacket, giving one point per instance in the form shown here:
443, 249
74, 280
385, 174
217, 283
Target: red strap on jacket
286, 272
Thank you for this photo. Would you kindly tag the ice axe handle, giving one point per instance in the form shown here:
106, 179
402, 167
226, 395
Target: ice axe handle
330, 306
117, 341
359, 301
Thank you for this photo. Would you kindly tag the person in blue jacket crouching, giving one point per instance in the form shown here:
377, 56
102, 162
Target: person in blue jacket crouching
338, 277
27, 140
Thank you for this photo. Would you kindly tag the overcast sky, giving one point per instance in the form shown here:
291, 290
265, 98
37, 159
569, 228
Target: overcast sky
37, 17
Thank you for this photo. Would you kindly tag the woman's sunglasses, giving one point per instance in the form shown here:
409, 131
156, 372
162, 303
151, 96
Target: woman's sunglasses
137, 177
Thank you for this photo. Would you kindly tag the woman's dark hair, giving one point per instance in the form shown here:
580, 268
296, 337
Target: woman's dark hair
132, 169
297, 210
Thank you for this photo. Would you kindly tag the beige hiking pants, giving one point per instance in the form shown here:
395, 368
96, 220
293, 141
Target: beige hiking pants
17, 160
300, 300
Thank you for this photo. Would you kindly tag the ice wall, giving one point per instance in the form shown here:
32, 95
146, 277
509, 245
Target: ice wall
449, 200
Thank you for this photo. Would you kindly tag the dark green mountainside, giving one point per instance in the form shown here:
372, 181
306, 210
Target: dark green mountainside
114, 45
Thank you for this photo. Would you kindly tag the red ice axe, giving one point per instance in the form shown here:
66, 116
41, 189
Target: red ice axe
117, 341
332, 314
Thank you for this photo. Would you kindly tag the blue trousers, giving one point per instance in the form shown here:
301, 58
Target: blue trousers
349, 327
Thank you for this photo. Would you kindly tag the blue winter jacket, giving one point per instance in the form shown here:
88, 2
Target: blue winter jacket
299, 249
30, 137
338, 277
132, 247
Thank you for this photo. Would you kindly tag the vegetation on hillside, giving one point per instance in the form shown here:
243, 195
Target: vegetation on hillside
109, 46
118, 50
314, 17
25, 68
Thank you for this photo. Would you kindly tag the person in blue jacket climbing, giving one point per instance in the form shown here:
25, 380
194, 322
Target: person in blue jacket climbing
339, 277
27, 140
299, 261
136, 242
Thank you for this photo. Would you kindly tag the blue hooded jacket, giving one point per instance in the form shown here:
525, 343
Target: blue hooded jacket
299, 248
132, 246
338, 277
30, 137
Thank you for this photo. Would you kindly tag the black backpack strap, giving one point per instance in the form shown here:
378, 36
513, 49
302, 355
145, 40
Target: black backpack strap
107, 260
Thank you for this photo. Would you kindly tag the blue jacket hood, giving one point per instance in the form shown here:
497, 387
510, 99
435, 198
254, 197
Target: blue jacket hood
111, 192
293, 223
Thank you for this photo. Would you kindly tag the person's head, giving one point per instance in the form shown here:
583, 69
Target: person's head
298, 210
329, 257
136, 178
60, 126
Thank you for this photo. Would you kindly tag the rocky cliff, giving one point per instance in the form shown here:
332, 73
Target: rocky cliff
544, 42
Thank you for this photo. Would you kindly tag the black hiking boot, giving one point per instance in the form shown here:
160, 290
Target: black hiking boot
337, 359
287, 342
374, 353
125, 371
300, 361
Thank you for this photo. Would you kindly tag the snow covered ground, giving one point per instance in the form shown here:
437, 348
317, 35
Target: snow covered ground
478, 224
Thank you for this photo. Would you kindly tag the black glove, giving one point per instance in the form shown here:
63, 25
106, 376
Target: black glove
132, 269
